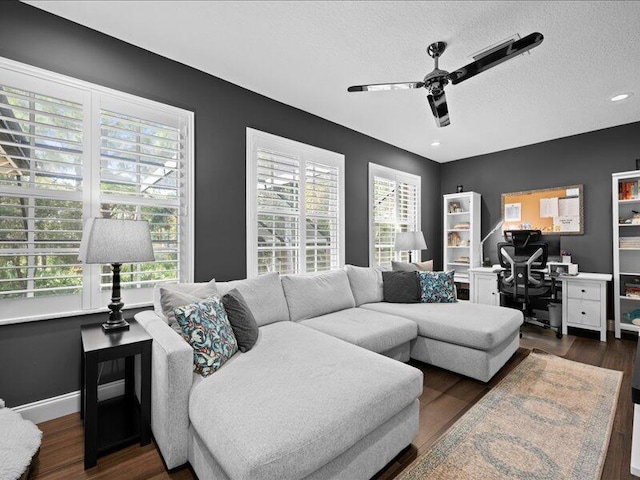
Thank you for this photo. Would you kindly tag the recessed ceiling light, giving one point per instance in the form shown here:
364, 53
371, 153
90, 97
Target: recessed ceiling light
435, 144
620, 97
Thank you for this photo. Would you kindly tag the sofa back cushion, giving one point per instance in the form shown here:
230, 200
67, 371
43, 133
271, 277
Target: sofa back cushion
366, 284
309, 296
263, 295
178, 295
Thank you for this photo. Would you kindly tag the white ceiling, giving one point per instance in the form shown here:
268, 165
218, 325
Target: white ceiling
307, 53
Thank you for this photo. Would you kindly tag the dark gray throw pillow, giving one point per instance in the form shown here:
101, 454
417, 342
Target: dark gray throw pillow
400, 287
241, 319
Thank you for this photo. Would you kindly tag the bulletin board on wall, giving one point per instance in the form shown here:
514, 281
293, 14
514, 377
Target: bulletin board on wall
554, 211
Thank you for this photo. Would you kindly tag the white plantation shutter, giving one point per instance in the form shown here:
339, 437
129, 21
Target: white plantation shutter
42, 147
295, 206
141, 166
70, 150
322, 215
394, 202
384, 214
278, 207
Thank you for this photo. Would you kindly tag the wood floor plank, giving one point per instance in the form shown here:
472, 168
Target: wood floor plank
446, 397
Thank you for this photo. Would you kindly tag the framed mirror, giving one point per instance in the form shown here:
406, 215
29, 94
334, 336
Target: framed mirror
554, 211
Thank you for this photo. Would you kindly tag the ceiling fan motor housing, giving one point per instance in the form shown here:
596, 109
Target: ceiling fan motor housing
436, 80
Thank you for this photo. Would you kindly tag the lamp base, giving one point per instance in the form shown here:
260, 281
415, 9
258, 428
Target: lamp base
115, 326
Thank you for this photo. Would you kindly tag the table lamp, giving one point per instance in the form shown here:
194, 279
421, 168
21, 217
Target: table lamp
106, 240
410, 241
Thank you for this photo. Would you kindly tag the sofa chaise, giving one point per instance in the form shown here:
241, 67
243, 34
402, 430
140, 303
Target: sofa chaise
321, 394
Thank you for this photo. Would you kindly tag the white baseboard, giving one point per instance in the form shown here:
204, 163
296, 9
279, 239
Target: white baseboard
62, 405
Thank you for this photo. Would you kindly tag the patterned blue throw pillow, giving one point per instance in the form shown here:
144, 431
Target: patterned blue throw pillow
207, 329
437, 287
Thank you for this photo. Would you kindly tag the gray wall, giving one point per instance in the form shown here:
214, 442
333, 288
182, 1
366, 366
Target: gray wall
587, 159
42, 359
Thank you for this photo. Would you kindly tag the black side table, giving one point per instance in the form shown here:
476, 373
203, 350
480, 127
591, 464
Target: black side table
120, 421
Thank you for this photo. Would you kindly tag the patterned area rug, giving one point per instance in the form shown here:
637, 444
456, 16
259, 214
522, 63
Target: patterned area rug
550, 418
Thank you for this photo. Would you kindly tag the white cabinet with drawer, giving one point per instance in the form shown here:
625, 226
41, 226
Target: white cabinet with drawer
584, 302
584, 290
484, 286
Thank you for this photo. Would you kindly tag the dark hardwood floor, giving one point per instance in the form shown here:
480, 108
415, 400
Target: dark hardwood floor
446, 397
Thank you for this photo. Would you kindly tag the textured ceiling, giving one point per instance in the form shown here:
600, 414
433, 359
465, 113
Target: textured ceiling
307, 53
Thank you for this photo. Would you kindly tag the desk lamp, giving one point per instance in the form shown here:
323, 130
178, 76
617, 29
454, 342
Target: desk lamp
410, 241
106, 240
486, 262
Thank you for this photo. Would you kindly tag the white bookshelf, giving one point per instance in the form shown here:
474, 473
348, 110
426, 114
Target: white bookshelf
463, 225
626, 260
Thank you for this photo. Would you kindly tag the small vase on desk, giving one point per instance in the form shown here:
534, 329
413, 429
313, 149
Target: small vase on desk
566, 258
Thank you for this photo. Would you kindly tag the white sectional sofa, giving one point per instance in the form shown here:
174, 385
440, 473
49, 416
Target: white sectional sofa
321, 395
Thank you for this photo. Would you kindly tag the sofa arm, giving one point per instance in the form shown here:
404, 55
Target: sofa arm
171, 379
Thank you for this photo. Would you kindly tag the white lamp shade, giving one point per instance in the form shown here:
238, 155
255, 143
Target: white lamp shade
106, 240
410, 241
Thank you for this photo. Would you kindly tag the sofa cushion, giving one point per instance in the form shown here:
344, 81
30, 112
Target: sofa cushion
207, 329
241, 319
368, 329
322, 396
462, 323
263, 295
190, 292
366, 284
400, 287
437, 287
311, 295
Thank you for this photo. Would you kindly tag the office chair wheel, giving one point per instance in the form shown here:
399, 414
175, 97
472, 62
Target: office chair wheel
558, 335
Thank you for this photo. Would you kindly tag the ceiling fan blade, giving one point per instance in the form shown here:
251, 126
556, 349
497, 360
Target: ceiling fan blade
438, 104
385, 86
492, 59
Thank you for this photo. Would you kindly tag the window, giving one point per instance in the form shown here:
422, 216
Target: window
394, 206
295, 206
70, 150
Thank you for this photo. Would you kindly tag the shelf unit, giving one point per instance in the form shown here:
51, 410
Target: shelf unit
469, 214
626, 261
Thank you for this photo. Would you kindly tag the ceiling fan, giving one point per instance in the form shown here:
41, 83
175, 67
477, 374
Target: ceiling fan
435, 81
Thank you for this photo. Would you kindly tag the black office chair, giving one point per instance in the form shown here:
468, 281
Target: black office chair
522, 284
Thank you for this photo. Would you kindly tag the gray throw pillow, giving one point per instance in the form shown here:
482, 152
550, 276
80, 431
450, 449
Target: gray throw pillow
189, 293
170, 300
404, 267
241, 319
424, 266
400, 287
412, 267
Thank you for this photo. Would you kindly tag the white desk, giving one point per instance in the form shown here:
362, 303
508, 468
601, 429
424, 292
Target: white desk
584, 297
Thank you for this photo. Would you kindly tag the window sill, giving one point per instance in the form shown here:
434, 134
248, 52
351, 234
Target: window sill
51, 316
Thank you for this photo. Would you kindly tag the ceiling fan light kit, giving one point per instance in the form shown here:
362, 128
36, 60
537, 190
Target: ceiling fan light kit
436, 80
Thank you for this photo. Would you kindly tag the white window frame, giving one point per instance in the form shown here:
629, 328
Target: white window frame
257, 139
376, 170
92, 299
